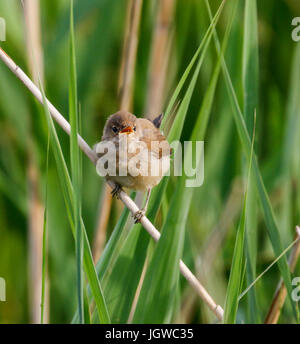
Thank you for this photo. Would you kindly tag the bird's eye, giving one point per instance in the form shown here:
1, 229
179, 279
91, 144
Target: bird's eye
134, 128
114, 129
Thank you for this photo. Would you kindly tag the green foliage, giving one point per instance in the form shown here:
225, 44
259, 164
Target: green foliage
68, 193
236, 272
260, 66
251, 91
75, 166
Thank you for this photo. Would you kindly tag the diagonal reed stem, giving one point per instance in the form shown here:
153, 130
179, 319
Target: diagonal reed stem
128, 202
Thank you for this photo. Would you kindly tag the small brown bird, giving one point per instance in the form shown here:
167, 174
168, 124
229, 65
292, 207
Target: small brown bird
147, 153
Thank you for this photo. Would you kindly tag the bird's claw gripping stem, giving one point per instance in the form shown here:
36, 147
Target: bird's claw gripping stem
138, 215
116, 191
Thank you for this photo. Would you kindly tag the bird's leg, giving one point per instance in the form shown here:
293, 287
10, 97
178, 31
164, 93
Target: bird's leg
140, 213
147, 200
116, 191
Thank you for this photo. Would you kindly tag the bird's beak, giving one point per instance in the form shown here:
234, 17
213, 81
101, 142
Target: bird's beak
127, 130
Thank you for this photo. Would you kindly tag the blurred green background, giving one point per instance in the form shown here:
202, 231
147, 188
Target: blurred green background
210, 229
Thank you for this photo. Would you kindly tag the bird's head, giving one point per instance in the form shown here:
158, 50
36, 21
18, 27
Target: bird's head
122, 122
